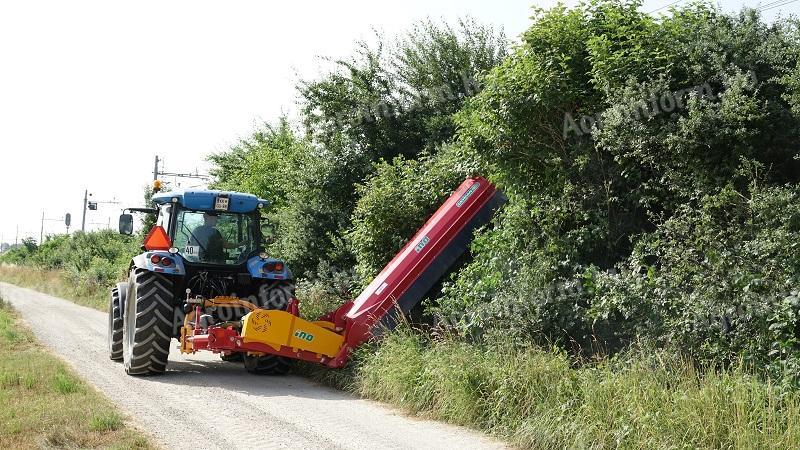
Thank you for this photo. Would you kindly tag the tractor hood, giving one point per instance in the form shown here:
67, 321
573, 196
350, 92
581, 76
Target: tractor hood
205, 200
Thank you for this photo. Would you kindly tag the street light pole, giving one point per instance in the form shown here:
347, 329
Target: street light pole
85, 199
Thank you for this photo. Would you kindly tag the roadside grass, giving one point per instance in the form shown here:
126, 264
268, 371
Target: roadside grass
56, 283
44, 405
539, 399
530, 397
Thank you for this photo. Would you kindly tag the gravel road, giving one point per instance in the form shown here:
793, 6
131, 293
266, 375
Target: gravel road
203, 402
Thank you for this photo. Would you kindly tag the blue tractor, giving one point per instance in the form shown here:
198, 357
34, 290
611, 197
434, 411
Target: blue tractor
205, 244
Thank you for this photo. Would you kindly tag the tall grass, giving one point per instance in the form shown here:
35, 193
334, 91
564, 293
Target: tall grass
537, 398
540, 399
58, 283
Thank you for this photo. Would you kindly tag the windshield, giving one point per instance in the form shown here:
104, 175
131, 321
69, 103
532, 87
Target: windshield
212, 237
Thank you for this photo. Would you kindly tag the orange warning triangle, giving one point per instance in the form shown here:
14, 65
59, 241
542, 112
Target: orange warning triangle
157, 239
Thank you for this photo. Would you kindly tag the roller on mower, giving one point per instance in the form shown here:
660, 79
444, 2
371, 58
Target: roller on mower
205, 279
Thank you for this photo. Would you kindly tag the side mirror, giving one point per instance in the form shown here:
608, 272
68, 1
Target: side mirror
126, 224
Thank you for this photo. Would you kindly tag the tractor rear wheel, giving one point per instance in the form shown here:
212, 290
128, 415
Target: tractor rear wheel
147, 323
233, 357
115, 303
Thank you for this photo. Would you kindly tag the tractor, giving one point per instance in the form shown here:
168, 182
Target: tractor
205, 279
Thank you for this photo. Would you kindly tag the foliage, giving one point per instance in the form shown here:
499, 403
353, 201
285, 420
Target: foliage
392, 98
273, 150
396, 200
89, 261
587, 196
649, 162
538, 398
19, 253
719, 281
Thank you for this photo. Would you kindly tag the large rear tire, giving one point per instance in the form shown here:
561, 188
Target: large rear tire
147, 323
115, 305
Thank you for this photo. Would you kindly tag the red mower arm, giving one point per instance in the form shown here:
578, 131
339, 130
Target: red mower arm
424, 260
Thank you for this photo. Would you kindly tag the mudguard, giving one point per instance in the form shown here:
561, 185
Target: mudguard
143, 261
255, 267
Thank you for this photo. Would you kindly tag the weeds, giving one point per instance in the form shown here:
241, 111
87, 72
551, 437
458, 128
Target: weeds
65, 383
43, 404
538, 398
106, 422
56, 282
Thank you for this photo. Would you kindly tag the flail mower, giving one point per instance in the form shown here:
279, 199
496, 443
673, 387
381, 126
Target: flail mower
205, 279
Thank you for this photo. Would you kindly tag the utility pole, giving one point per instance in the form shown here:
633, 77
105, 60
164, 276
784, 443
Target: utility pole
16, 236
157, 173
85, 199
41, 230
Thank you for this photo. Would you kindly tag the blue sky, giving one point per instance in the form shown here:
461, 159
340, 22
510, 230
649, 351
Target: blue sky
90, 91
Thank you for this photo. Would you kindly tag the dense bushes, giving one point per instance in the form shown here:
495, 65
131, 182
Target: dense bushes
600, 184
650, 165
719, 281
537, 399
393, 203
390, 99
91, 262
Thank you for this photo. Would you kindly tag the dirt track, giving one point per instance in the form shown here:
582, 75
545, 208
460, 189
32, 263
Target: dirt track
202, 402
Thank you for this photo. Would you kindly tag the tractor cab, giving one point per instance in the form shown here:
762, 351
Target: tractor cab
211, 227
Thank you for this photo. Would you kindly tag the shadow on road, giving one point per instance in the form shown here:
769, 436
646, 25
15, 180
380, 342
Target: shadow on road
232, 376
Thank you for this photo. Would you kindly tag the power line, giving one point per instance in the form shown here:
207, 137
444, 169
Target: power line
765, 7
157, 172
768, 4
666, 6
775, 4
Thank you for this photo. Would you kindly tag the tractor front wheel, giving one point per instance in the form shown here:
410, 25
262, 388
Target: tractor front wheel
147, 323
267, 364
